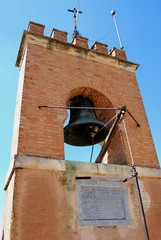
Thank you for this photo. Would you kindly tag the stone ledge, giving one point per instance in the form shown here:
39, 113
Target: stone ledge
54, 44
148, 172
120, 172
40, 163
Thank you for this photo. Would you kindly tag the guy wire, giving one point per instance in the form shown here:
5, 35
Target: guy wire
128, 142
106, 123
105, 36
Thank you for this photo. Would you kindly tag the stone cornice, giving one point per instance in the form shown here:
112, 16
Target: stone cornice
68, 48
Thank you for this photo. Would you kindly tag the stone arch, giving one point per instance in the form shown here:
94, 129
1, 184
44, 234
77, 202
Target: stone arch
98, 99
116, 151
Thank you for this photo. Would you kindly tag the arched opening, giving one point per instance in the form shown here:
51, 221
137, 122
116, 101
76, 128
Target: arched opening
105, 113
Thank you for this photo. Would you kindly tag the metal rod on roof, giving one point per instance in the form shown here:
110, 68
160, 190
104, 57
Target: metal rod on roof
76, 14
113, 13
92, 108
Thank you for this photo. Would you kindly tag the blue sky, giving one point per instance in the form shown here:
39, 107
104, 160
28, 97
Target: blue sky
139, 25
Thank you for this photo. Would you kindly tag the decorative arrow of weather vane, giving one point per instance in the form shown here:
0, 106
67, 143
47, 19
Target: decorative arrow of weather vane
76, 15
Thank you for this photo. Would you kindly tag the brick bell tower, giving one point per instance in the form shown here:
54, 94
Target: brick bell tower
48, 197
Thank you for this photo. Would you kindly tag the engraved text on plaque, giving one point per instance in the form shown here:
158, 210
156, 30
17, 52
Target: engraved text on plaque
102, 203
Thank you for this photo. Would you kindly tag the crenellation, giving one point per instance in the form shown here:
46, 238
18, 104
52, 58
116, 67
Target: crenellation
36, 28
77, 40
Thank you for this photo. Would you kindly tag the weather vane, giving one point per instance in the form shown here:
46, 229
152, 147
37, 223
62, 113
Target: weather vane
76, 15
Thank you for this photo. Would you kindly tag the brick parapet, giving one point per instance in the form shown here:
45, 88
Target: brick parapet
59, 35
75, 50
35, 32
100, 47
36, 28
80, 41
118, 53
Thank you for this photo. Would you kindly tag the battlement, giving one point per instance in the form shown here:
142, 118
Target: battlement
77, 41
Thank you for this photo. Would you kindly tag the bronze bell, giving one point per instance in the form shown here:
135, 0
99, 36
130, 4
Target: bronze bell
84, 128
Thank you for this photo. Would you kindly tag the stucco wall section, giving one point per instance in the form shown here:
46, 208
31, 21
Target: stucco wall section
8, 216
18, 117
45, 201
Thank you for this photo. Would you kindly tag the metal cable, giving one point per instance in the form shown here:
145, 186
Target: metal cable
100, 39
106, 123
128, 142
135, 175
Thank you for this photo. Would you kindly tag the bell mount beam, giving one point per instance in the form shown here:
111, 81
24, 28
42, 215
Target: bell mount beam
111, 134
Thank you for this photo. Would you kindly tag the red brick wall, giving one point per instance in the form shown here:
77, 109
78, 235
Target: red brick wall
54, 75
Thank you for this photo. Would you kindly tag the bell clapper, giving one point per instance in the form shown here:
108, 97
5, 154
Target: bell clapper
94, 129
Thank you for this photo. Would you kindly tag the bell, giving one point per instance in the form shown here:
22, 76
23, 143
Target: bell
84, 128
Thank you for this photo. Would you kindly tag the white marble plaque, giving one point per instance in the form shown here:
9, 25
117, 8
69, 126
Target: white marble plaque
102, 203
